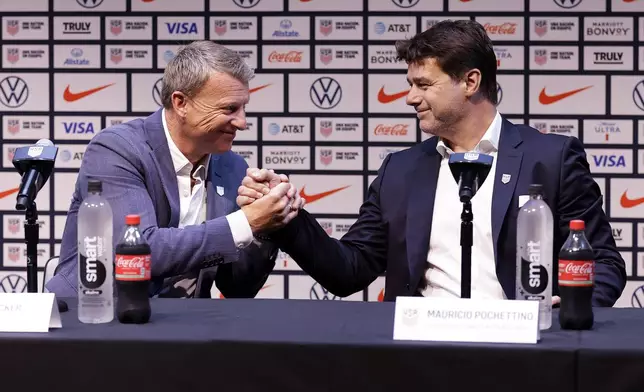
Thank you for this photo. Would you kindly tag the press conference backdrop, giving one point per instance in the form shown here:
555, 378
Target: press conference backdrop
328, 102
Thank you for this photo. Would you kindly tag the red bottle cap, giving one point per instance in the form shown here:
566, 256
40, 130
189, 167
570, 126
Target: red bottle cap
577, 224
132, 220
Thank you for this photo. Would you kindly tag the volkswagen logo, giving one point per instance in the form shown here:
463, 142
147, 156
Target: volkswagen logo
13, 284
156, 91
326, 93
13, 91
637, 299
89, 3
405, 3
320, 293
246, 3
638, 95
567, 3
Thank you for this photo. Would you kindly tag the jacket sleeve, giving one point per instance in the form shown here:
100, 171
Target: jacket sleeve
581, 199
343, 266
115, 161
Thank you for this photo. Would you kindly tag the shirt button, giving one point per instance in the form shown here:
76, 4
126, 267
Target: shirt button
186, 194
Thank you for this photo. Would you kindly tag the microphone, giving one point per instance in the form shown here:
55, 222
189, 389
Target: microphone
35, 164
470, 169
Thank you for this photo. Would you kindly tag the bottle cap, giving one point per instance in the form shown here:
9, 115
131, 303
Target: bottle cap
94, 185
132, 219
577, 224
535, 189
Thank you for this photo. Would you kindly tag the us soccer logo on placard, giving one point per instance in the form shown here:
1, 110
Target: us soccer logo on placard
541, 27
221, 26
326, 55
116, 26
326, 127
13, 55
13, 26
326, 157
116, 55
326, 27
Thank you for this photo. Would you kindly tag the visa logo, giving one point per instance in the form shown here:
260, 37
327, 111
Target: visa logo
78, 127
182, 28
609, 160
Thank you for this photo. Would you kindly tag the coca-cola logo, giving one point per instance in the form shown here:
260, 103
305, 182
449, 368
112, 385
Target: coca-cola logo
288, 57
579, 269
507, 28
130, 262
393, 130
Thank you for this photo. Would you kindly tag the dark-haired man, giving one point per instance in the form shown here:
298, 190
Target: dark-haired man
409, 226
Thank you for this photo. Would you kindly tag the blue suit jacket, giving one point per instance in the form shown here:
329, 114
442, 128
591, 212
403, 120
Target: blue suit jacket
133, 161
393, 229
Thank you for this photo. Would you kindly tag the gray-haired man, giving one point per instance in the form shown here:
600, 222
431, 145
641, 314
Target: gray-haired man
176, 170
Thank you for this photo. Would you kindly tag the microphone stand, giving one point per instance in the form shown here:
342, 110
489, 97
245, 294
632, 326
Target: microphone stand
466, 249
32, 239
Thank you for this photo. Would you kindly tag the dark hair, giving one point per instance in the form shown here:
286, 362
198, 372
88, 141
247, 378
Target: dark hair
457, 46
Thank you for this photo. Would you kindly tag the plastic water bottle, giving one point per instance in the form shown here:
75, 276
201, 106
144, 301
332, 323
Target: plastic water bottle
534, 254
95, 257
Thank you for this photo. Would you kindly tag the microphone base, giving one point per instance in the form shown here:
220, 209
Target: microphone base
466, 249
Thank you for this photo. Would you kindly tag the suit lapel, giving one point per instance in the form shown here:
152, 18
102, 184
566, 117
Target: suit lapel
506, 178
420, 208
218, 194
161, 155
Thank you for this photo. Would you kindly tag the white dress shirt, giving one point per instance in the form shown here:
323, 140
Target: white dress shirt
444, 256
193, 202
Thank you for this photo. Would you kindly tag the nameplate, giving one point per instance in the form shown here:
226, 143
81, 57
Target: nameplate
28, 312
466, 320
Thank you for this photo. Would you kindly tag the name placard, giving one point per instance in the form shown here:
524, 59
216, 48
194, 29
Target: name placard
466, 320
28, 312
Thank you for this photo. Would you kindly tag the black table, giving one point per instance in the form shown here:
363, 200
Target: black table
297, 345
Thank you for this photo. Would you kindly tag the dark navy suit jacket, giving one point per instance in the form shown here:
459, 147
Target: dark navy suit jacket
392, 232
133, 161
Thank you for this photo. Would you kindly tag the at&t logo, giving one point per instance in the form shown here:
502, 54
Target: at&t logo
326, 93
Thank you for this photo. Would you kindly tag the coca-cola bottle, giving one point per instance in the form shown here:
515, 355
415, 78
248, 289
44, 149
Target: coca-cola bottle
576, 279
132, 274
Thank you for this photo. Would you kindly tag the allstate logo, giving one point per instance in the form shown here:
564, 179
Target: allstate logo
77, 52
286, 24
379, 28
273, 129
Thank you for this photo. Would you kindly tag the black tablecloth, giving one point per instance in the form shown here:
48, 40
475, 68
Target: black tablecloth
298, 345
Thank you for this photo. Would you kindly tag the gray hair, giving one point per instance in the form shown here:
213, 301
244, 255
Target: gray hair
189, 70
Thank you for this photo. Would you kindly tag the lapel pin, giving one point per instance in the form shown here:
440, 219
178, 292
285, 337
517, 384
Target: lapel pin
220, 190
505, 178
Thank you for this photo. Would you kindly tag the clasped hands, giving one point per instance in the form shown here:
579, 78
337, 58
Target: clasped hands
268, 200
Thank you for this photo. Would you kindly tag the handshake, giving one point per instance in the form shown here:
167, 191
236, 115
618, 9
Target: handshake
268, 200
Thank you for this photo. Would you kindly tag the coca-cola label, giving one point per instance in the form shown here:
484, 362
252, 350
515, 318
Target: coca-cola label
92, 272
132, 267
289, 57
394, 130
579, 273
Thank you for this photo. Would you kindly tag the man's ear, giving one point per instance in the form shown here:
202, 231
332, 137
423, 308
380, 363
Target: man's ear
179, 103
472, 80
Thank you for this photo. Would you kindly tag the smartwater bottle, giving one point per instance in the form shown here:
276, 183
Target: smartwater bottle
95, 257
534, 254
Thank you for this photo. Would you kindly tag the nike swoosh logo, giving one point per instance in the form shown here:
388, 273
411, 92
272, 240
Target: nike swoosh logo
9, 192
252, 90
630, 203
71, 97
265, 287
386, 98
317, 196
546, 99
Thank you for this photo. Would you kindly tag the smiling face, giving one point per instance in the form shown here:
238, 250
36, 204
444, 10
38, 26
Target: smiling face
439, 101
214, 115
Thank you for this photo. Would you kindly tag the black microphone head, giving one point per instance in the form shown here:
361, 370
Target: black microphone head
35, 164
469, 169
